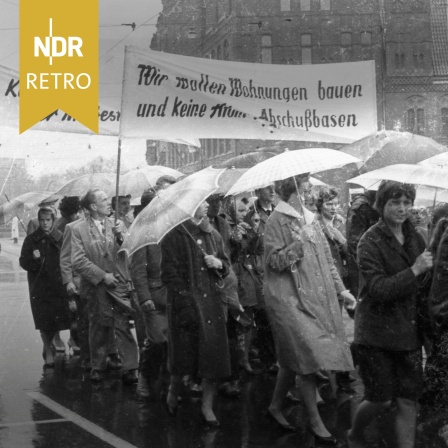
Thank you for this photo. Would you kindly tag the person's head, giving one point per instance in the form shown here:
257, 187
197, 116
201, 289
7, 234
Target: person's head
370, 195
201, 211
327, 201
148, 195
393, 201
97, 203
266, 195
165, 181
50, 203
436, 236
70, 207
237, 209
46, 218
416, 216
124, 204
439, 212
297, 184
214, 205
311, 194
338, 221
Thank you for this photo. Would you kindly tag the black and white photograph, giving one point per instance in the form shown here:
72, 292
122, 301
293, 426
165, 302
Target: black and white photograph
223, 224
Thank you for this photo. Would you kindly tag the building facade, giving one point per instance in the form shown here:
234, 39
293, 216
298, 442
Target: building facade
407, 39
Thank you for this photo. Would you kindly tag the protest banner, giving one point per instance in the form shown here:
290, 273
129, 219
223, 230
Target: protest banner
59, 121
187, 97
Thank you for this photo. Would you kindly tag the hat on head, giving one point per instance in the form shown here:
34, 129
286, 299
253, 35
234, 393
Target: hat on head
149, 194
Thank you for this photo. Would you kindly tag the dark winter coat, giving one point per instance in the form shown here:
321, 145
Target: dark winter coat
438, 297
361, 216
221, 224
259, 249
198, 338
390, 296
243, 257
49, 303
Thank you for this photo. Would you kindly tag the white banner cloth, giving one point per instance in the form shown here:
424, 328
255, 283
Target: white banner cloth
187, 97
109, 117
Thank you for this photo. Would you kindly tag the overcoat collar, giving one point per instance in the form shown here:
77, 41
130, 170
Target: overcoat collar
286, 209
54, 236
408, 233
261, 211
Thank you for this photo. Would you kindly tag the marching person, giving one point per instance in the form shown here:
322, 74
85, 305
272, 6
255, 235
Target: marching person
69, 207
152, 299
40, 258
193, 263
360, 217
435, 389
231, 386
257, 218
327, 202
301, 289
392, 258
95, 242
244, 240
33, 225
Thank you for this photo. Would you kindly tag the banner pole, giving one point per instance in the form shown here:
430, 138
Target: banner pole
117, 184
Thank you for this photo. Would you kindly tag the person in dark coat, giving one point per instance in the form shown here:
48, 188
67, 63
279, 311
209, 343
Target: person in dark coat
193, 264
258, 216
32, 226
40, 258
244, 240
439, 212
435, 389
392, 258
230, 386
360, 217
152, 300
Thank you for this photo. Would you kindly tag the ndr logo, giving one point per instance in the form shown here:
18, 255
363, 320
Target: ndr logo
57, 46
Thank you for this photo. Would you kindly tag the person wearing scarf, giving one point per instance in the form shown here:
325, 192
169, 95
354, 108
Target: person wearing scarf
49, 304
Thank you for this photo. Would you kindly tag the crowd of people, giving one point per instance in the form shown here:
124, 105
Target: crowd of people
266, 279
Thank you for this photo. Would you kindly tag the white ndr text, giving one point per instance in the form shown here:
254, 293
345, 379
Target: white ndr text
55, 81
